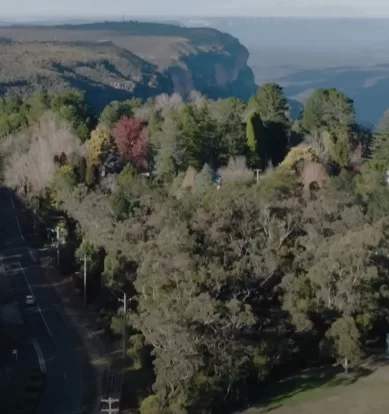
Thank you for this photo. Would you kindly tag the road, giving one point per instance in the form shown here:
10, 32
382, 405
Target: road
57, 346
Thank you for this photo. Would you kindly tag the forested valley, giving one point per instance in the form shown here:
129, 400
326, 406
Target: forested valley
248, 243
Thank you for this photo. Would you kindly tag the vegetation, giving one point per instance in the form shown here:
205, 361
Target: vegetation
233, 278
116, 61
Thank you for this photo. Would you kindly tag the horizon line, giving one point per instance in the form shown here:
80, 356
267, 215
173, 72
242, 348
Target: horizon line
119, 17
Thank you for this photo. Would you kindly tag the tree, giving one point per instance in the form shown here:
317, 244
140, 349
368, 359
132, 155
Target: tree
171, 152
31, 171
342, 341
150, 405
228, 115
73, 106
326, 109
236, 170
132, 142
270, 103
98, 145
204, 179
38, 105
339, 147
13, 115
380, 145
116, 110
258, 155
200, 132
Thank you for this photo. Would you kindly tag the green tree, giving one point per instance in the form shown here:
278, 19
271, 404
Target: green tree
271, 104
339, 147
150, 405
342, 341
327, 109
380, 146
200, 134
228, 115
74, 107
116, 110
38, 105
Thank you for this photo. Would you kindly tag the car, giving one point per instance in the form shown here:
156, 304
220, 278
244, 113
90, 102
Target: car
29, 300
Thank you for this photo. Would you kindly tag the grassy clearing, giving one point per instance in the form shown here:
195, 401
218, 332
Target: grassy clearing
326, 389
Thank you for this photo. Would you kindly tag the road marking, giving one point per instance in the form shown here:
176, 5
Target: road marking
39, 309
41, 360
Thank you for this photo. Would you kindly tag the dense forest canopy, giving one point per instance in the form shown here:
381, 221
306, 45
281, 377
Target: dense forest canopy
246, 240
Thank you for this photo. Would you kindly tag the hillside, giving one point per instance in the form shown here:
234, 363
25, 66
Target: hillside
105, 71
173, 58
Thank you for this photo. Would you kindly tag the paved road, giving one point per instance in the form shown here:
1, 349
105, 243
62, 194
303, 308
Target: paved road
56, 345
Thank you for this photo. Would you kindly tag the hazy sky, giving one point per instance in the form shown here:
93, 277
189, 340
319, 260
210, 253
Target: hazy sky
341, 8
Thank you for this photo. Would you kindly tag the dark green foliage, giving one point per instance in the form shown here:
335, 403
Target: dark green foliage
231, 285
74, 107
120, 206
327, 109
270, 103
13, 115
269, 123
116, 110
380, 145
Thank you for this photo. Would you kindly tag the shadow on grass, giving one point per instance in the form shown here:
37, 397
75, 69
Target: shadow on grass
307, 385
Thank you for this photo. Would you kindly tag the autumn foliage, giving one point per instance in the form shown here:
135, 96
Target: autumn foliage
132, 141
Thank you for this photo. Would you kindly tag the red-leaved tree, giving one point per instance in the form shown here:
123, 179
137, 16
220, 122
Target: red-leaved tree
131, 141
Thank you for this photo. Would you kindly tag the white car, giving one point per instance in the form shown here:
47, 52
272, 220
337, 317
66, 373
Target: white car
30, 300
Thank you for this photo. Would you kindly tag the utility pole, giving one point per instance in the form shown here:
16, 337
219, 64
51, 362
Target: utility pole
124, 301
86, 258
110, 401
257, 173
34, 221
57, 244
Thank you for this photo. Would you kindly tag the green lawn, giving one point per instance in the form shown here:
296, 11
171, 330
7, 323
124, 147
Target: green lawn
328, 390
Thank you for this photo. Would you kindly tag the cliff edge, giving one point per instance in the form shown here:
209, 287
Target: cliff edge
146, 58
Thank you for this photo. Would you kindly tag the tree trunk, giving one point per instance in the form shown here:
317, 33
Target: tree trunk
345, 365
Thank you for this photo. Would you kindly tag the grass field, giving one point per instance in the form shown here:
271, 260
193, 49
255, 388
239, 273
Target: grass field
327, 390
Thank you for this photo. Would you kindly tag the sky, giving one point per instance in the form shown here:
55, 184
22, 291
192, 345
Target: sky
92, 8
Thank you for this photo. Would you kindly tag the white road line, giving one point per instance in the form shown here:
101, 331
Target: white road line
39, 309
41, 360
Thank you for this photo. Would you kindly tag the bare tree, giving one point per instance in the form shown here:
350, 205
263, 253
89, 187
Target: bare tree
236, 170
196, 98
165, 102
30, 169
318, 142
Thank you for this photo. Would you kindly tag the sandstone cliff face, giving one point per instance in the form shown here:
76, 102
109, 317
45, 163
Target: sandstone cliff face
216, 74
146, 58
